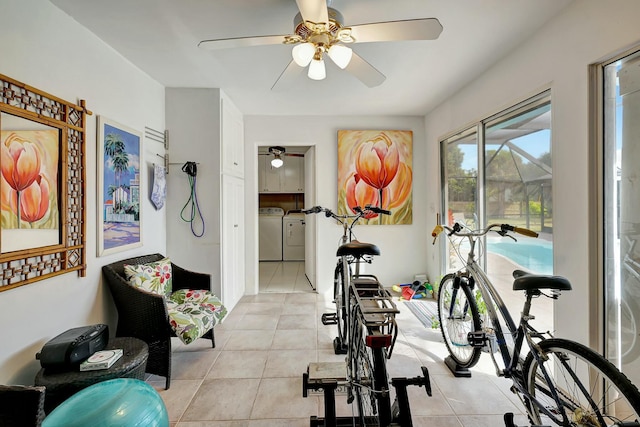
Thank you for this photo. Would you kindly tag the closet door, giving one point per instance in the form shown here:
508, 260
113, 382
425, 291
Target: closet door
232, 247
232, 136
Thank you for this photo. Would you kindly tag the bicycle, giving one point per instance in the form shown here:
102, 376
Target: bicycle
373, 332
350, 252
365, 313
560, 382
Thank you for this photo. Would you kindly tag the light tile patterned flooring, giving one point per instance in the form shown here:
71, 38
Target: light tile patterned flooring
253, 377
283, 277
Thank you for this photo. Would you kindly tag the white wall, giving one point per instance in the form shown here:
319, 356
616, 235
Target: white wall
557, 57
402, 246
43, 47
193, 121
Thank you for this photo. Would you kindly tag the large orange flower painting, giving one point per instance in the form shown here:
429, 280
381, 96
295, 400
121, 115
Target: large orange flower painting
29, 180
374, 168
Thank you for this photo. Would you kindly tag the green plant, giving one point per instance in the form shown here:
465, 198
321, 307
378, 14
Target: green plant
482, 306
435, 323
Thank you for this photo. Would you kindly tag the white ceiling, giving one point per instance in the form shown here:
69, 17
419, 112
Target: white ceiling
161, 38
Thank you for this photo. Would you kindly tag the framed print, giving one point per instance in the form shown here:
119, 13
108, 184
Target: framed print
42, 203
119, 226
375, 168
30, 184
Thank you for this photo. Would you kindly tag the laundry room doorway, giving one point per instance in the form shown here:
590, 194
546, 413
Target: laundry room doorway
286, 178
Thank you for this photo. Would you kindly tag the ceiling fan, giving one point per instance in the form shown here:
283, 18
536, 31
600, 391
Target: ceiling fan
319, 32
278, 153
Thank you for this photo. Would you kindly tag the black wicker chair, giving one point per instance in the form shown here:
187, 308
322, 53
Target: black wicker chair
143, 315
21, 406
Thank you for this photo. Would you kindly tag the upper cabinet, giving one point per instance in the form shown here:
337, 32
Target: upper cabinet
292, 175
232, 134
289, 178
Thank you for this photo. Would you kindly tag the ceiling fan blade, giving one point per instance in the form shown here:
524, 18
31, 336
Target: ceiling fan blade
365, 72
287, 75
313, 10
412, 29
240, 42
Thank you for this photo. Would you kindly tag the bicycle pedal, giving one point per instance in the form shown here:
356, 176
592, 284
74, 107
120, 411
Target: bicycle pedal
339, 347
329, 319
477, 339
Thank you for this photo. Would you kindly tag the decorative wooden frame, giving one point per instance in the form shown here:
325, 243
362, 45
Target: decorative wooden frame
24, 266
118, 230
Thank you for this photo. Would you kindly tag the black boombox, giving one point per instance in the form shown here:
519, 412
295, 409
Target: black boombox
70, 348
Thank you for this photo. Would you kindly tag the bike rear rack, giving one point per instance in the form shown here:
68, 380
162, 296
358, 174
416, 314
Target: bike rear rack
376, 308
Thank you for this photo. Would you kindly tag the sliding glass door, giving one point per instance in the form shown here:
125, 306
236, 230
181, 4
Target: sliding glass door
621, 206
500, 171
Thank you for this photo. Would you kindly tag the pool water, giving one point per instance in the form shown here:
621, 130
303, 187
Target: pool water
532, 255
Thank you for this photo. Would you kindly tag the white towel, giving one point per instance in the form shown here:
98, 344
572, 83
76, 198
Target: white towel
159, 193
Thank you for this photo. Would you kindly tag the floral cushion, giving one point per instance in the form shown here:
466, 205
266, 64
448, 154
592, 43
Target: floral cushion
201, 297
192, 313
154, 277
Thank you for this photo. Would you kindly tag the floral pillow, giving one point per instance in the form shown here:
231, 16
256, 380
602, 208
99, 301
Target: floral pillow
154, 277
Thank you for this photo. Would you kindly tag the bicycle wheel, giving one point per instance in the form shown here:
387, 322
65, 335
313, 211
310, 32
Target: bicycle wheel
339, 285
370, 381
458, 315
608, 398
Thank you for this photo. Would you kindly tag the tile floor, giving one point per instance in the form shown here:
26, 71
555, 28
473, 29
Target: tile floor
253, 377
283, 277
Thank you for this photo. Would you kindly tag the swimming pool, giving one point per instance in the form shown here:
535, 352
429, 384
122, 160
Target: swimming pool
533, 255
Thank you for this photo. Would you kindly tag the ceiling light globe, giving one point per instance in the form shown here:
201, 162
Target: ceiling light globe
340, 54
303, 53
317, 70
277, 162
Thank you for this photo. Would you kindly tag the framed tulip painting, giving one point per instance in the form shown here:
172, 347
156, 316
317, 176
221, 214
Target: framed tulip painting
375, 168
42, 204
30, 181
118, 187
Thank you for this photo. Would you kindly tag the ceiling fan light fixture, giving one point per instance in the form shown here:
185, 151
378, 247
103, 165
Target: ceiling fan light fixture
340, 54
277, 152
276, 162
317, 70
303, 53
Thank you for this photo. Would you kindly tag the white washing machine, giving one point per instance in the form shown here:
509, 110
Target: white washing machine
293, 237
270, 234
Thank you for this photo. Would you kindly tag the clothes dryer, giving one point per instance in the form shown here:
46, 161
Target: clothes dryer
293, 237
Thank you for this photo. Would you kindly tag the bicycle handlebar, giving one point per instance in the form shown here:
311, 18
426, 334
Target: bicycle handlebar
520, 230
360, 211
315, 209
457, 228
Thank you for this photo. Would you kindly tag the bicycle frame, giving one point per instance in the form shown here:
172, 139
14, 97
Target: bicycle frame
489, 294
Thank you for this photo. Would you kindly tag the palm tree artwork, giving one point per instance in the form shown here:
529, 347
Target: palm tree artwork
121, 187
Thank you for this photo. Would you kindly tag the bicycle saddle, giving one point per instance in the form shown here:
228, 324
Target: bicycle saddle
357, 249
526, 281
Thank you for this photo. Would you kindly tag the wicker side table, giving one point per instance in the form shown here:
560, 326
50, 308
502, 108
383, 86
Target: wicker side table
62, 385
